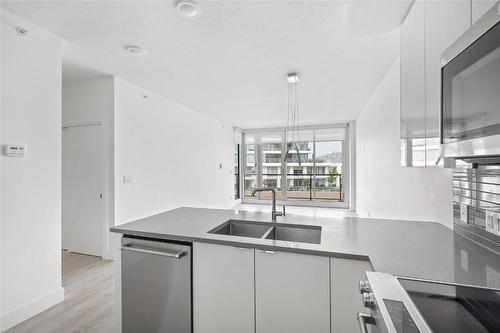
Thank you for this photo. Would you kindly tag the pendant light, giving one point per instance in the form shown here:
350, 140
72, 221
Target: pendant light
292, 133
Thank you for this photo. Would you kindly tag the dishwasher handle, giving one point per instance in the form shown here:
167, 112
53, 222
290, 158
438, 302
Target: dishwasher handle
176, 255
363, 320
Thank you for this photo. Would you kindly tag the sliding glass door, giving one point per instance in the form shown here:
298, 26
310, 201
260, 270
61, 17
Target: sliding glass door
313, 172
329, 162
299, 166
271, 156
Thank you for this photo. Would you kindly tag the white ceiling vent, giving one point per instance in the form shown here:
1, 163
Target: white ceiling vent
187, 8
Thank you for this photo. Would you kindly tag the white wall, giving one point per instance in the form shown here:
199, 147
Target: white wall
384, 188
172, 154
31, 186
89, 100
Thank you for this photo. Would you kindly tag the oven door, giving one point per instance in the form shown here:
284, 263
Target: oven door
470, 91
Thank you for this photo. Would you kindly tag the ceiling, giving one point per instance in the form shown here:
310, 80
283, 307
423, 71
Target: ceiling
230, 62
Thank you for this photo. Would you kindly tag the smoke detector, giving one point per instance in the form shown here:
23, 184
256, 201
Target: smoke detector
187, 8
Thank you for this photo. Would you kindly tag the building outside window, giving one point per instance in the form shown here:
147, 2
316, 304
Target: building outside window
315, 172
272, 170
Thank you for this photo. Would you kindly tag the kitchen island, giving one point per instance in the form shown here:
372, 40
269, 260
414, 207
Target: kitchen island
424, 250
257, 284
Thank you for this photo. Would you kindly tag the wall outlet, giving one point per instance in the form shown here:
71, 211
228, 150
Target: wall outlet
464, 213
127, 179
496, 223
493, 222
464, 260
490, 222
492, 277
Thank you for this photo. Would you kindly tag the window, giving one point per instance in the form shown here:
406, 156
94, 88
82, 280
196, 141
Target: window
329, 161
320, 175
270, 161
250, 171
236, 171
271, 170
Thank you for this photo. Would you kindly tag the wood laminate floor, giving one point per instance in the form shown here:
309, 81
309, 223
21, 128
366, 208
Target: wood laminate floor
88, 304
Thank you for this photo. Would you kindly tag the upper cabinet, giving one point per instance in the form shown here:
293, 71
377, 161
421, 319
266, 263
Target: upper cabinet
445, 22
479, 7
429, 28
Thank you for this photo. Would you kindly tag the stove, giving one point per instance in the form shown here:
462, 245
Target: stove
407, 305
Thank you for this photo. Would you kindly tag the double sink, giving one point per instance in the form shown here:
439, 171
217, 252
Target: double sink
283, 232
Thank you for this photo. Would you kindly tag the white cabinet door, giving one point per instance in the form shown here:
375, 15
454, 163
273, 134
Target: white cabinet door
345, 275
445, 21
479, 7
223, 289
413, 88
292, 293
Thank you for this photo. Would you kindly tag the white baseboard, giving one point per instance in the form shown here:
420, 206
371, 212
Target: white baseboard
32, 308
108, 255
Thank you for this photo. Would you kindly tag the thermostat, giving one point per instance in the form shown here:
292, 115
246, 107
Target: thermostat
15, 150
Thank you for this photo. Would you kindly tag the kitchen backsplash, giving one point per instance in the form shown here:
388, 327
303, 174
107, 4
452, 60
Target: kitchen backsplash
476, 204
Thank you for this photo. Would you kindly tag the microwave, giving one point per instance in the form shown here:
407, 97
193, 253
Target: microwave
470, 91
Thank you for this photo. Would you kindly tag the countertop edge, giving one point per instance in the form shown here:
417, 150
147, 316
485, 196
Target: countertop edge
163, 236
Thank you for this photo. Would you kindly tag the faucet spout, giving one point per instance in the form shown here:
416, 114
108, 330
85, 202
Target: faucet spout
274, 213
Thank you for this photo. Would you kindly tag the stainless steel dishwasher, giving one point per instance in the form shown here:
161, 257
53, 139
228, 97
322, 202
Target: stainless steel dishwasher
156, 286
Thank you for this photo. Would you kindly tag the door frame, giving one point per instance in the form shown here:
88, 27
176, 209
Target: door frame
105, 188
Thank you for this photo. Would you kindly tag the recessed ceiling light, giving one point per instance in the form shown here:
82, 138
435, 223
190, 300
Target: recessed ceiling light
292, 77
135, 50
187, 8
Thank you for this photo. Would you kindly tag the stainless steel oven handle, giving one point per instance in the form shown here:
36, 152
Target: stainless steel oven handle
363, 320
176, 255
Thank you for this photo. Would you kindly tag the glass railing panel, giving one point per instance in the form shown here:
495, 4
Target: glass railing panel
329, 187
299, 186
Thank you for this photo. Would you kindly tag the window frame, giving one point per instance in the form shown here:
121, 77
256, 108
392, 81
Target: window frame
238, 169
347, 168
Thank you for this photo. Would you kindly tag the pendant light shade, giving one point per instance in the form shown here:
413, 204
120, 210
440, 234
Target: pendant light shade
292, 123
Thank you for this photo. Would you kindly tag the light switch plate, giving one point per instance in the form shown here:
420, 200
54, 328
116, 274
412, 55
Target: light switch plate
127, 179
464, 213
15, 150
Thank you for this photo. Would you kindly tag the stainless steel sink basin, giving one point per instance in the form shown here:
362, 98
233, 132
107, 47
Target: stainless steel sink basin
282, 232
301, 234
241, 228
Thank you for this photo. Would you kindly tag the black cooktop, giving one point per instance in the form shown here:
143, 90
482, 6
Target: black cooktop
456, 308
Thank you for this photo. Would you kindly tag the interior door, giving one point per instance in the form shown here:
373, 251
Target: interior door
82, 188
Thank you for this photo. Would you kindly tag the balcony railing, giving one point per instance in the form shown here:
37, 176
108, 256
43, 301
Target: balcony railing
299, 186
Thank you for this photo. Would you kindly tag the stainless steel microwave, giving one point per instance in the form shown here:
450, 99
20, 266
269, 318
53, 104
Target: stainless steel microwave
470, 91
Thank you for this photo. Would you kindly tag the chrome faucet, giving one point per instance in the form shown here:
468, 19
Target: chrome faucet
274, 213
